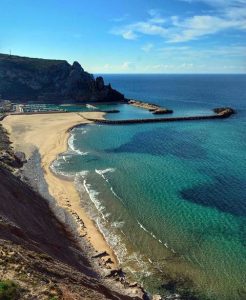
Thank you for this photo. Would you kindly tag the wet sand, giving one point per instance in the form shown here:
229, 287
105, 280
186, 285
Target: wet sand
49, 134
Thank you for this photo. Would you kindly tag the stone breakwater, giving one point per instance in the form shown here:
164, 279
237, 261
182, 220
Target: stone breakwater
155, 109
220, 113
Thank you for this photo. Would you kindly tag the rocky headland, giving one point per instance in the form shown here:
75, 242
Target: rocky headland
47, 80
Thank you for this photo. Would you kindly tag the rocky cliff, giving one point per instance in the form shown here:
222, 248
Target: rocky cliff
38, 254
46, 80
39, 257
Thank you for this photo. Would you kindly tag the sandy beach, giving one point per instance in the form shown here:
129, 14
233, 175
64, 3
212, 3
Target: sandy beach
49, 134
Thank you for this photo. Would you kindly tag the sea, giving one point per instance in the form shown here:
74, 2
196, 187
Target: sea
170, 198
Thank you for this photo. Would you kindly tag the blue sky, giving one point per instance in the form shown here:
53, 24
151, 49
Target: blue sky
129, 36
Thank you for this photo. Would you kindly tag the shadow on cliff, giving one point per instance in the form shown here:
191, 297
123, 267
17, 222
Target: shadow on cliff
27, 221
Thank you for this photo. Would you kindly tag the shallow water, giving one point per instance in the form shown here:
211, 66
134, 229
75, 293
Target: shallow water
170, 198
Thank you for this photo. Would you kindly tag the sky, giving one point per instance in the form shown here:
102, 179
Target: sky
129, 36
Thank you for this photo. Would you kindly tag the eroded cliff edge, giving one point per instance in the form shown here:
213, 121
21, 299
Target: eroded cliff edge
46, 80
37, 253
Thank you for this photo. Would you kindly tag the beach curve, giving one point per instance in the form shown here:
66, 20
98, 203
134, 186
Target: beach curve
49, 133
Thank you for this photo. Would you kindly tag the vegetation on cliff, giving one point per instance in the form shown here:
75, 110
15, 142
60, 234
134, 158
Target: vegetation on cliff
36, 79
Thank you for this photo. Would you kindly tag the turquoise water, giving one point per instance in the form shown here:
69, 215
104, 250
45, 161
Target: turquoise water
170, 198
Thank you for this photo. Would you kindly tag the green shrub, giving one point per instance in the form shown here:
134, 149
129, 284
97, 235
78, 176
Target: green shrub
8, 290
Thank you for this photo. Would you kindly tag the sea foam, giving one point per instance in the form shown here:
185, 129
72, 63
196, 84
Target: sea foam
93, 196
102, 172
108, 170
154, 236
91, 106
71, 144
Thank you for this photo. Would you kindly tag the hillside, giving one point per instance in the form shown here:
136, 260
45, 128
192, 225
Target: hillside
37, 252
46, 80
39, 257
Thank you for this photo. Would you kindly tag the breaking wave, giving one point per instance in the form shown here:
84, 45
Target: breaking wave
71, 144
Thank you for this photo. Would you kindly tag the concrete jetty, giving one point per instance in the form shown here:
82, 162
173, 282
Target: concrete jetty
219, 113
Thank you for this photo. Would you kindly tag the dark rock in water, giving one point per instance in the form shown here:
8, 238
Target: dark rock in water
109, 261
112, 111
46, 80
101, 254
224, 111
133, 284
162, 111
117, 273
146, 296
20, 156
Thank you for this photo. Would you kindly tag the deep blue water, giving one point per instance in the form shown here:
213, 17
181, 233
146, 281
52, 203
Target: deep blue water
170, 198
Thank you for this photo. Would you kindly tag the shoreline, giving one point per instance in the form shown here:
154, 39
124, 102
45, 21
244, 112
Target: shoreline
53, 141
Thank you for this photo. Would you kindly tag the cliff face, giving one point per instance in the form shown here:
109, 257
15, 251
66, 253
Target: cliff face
25, 79
37, 253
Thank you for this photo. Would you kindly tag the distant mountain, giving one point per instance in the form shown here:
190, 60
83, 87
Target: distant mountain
36, 79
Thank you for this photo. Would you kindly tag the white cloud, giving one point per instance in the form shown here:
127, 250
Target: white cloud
186, 66
198, 26
107, 67
157, 20
170, 68
129, 35
132, 31
220, 3
121, 19
152, 26
147, 47
204, 53
149, 29
156, 17
231, 14
127, 65
154, 12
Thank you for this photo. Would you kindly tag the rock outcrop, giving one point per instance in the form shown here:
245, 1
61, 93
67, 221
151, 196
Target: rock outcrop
224, 111
46, 80
154, 108
161, 111
8, 159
